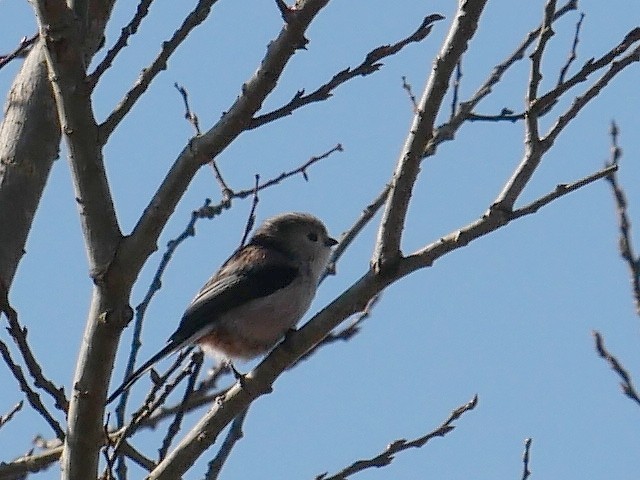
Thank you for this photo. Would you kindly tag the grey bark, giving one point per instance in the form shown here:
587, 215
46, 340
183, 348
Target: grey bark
29, 143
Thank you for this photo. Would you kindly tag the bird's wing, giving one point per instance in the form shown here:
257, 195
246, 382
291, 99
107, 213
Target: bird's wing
228, 290
247, 275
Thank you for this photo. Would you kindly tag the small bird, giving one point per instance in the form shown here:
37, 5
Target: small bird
257, 295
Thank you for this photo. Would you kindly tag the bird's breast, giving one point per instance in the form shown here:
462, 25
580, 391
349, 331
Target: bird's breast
256, 326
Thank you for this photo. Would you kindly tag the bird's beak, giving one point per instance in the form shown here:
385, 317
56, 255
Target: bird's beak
330, 242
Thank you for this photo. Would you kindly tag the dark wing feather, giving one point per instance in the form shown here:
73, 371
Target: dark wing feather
230, 291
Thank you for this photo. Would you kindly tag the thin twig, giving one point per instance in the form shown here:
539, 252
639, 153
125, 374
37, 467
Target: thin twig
188, 114
616, 66
198, 15
492, 220
370, 65
560, 191
251, 219
6, 418
534, 147
130, 29
525, 459
32, 397
344, 335
574, 51
626, 384
412, 98
592, 65
19, 335
447, 131
387, 456
174, 428
624, 223
151, 403
350, 235
301, 170
234, 435
21, 49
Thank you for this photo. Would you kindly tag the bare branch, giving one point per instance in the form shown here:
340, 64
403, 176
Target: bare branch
573, 54
591, 66
251, 220
301, 170
561, 190
463, 27
492, 220
31, 463
535, 146
127, 450
19, 335
151, 403
32, 397
625, 243
626, 384
344, 335
370, 64
581, 101
21, 50
412, 97
60, 30
198, 15
388, 455
535, 75
447, 131
285, 11
188, 114
505, 114
174, 428
525, 459
6, 418
234, 435
130, 29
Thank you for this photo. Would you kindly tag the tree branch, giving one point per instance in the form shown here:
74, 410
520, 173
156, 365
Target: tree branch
624, 223
388, 455
198, 15
21, 50
234, 435
19, 335
626, 383
447, 131
6, 418
525, 459
370, 64
130, 29
387, 249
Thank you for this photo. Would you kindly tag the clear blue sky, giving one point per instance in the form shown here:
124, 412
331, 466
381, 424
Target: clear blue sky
509, 317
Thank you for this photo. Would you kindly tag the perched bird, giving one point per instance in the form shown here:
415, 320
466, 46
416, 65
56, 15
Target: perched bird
258, 294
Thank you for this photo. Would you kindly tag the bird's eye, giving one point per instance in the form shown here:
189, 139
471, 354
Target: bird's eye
312, 236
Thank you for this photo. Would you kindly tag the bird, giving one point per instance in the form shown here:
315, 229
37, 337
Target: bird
256, 296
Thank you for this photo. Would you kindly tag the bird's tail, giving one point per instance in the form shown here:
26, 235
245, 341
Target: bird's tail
133, 378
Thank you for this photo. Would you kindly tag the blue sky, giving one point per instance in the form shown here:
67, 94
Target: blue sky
508, 317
